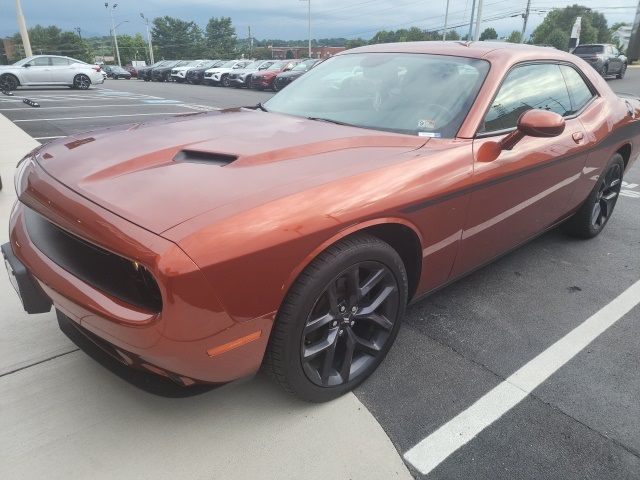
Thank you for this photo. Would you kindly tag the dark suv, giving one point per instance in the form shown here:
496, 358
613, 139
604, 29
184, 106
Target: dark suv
605, 58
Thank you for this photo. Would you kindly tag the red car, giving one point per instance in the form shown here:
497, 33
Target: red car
292, 235
264, 79
132, 70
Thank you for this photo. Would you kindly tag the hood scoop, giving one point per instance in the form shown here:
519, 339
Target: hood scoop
194, 156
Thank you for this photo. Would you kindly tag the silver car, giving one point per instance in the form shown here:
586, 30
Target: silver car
45, 70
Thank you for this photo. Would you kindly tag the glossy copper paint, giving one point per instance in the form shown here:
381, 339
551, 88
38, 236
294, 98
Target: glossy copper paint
226, 243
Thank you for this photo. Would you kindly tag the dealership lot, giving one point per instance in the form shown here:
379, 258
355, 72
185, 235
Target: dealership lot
454, 348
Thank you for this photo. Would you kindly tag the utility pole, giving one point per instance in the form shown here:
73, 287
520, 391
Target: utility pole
473, 12
524, 23
24, 33
446, 17
250, 43
113, 30
79, 30
146, 20
309, 25
476, 36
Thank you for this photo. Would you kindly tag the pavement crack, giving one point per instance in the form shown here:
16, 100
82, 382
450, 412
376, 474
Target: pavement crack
39, 362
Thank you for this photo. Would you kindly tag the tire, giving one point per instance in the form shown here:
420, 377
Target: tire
595, 212
300, 348
274, 86
623, 70
81, 82
8, 82
225, 81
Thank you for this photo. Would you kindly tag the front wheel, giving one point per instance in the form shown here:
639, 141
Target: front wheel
595, 212
8, 83
339, 319
623, 70
81, 82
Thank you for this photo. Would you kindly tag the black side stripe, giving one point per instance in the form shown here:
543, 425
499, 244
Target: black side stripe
612, 139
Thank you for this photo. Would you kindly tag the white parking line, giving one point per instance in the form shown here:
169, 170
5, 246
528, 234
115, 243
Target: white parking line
96, 116
50, 138
457, 432
29, 109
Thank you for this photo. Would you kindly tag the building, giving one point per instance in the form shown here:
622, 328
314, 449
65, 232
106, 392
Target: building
282, 53
7, 51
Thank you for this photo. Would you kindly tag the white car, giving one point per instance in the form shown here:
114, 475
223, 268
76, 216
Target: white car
49, 70
220, 75
178, 74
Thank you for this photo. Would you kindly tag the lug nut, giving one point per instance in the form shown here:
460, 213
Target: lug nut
352, 323
342, 308
340, 332
354, 309
335, 323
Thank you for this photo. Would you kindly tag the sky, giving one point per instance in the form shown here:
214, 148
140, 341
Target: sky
287, 19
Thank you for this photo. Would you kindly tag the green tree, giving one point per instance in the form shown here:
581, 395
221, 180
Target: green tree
558, 23
452, 35
52, 40
132, 48
355, 43
514, 37
489, 34
559, 39
177, 39
221, 37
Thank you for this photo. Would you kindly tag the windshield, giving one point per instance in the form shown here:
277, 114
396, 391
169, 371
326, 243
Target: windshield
418, 94
276, 66
302, 67
254, 65
229, 64
23, 61
589, 49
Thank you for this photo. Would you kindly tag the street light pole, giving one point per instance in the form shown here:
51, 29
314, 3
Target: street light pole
473, 12
309, 24
146, 20
476, 36
24, 33
113, 30
446, 17
524, 23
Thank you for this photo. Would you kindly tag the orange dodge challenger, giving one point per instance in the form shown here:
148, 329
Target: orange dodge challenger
293, 234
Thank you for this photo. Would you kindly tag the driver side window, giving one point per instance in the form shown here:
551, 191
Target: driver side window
527, 87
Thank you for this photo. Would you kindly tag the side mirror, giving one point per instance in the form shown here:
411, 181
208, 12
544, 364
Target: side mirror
532, 123
26, 65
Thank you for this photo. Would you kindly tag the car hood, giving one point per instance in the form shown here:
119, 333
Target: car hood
148, 180
292, 74
218, 70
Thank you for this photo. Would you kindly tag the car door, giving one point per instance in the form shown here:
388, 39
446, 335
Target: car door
615, 59
37, 71
61, 71
528, 188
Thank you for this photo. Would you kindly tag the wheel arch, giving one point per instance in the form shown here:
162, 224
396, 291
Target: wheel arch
401, 235
625, 152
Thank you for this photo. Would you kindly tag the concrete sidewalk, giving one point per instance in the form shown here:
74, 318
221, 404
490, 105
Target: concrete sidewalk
62, 415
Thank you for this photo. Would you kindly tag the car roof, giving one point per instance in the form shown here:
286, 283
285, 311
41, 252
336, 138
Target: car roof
496, 51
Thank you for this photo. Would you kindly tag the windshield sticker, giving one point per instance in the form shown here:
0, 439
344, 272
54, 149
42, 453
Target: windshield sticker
430, 134
427, 123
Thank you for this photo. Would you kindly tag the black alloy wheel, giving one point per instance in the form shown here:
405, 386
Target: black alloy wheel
605, 200
338, 320
592, 216
349, 324
225, 81
8, 83
81, 82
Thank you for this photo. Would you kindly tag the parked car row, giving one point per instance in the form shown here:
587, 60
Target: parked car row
239, 73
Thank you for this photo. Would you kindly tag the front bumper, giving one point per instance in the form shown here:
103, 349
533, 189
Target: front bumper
178, 338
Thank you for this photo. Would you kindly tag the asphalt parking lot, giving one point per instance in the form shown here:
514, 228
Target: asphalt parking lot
455, 348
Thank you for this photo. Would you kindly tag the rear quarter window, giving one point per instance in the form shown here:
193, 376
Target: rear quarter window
579, 91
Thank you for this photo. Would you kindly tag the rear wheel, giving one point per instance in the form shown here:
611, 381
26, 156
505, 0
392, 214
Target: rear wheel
225, 81
596, 211
339, 319
623, 70
81, 82
8, 82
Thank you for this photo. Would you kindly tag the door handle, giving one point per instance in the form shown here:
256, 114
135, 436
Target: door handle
577, 137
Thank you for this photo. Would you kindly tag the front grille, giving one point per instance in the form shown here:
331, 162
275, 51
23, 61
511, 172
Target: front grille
103, 270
